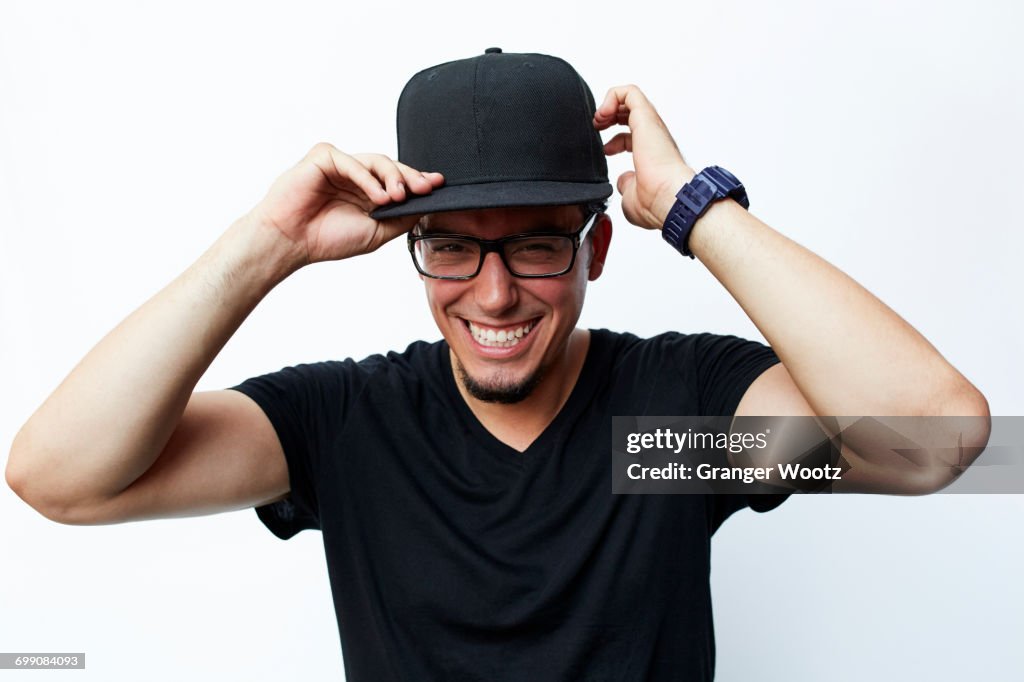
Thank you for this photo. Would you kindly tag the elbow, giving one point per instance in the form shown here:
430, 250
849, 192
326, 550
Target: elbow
32, 487
16, 472
25, 486
969, 421
968, 400
925, 451
962, 414
965, 422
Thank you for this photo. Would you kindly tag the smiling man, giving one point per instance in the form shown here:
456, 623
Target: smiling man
506, 291
462, 486
506, 334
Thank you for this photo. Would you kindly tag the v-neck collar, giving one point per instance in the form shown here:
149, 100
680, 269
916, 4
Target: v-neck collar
580, 395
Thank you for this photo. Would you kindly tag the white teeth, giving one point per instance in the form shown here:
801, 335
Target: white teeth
500, 338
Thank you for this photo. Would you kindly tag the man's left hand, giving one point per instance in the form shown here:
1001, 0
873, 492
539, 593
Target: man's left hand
649, 190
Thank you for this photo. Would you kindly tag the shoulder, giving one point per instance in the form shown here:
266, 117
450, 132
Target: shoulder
350, 375
680, 349
417, 357
713, 370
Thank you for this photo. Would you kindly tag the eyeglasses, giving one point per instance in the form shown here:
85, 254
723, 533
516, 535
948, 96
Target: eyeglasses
531, 254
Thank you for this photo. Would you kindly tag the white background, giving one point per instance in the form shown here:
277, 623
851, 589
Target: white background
884, 136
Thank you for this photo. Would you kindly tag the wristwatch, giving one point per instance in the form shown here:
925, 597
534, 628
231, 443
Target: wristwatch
693, 200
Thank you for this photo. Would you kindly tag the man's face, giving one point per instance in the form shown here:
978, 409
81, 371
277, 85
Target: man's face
479, 317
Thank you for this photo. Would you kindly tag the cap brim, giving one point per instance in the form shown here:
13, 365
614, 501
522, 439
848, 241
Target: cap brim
497, 195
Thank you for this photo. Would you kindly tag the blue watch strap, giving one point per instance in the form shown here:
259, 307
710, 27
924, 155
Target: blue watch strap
693, 200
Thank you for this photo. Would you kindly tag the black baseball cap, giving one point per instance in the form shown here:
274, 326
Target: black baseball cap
505, 130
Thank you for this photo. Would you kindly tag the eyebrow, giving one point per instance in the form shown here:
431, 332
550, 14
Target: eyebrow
543, 227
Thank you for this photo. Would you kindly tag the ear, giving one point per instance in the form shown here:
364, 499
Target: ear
600, 238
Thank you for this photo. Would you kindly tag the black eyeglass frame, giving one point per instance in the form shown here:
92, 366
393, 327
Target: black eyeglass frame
497, 245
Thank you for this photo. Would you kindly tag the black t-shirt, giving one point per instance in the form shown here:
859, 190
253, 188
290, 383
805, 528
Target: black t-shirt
452, 556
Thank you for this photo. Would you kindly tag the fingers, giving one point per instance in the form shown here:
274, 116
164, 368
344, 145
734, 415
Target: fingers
380, 179
623, 142
624, 105
627, 105
418, 181
342, 171
436, 179
397, 178
618, 116
388, 173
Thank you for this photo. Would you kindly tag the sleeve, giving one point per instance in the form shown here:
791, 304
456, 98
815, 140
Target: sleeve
724, 368
306, 405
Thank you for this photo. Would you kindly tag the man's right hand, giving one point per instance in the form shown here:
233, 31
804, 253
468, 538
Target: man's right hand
322, 205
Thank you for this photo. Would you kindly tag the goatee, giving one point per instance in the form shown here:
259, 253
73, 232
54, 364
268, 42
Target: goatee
500, 389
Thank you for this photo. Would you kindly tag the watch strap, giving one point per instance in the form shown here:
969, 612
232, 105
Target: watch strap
693, 200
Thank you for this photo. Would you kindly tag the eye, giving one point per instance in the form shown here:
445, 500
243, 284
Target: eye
446, 246
534, 247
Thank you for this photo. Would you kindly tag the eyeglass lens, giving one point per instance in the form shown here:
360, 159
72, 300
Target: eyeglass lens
456, 257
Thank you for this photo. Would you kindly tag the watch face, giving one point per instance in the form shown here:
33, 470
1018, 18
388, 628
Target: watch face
728, 184
724, 177
728, 176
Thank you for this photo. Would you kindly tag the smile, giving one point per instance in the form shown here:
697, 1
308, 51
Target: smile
494, 337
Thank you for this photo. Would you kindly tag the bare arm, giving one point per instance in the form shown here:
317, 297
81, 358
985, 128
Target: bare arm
123, 437
843, 351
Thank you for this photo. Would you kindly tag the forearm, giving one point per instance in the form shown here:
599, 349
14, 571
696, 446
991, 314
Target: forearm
108, 421
846, 350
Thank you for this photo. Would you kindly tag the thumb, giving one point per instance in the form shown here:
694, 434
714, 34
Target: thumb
387, 229
395, 227
626, 183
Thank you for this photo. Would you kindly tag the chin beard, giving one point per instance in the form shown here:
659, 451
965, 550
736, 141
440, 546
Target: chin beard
501, 389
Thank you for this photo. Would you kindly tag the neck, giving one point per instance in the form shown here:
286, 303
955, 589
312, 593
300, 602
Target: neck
519, 424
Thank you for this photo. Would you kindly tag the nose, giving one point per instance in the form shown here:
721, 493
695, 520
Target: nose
495, 289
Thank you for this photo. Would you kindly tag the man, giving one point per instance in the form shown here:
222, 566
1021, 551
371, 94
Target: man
461, 486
